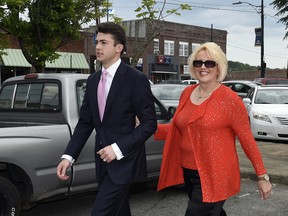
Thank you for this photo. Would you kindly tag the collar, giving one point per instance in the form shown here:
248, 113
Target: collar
113, 68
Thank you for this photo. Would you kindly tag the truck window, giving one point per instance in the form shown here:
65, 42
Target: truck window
6, 97
80, 91
50, 96
30, 96
21, 96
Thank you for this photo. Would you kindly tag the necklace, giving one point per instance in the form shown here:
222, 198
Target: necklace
204, 96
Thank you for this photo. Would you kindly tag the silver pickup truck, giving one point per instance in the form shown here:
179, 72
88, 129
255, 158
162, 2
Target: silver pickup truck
38, 114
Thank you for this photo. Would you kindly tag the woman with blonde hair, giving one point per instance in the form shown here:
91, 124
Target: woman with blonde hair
200, 146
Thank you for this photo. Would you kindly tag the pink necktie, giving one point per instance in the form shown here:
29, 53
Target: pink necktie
101, 94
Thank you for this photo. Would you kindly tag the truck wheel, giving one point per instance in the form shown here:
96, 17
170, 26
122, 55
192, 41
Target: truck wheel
10, 203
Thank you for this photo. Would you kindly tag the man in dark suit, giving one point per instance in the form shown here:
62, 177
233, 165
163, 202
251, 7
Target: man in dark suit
120, 155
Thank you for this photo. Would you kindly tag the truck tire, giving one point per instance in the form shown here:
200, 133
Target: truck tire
10, 203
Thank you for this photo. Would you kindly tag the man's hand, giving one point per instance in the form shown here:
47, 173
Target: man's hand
107, 154
62, 169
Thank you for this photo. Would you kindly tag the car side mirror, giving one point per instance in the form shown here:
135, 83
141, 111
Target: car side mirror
246, 101
171, 112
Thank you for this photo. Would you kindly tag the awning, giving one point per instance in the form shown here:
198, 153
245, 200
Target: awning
164, 72
15, 58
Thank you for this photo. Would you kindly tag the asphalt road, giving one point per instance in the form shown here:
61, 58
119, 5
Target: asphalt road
145, 201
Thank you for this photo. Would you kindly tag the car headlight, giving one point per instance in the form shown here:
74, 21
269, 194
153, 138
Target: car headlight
261, 117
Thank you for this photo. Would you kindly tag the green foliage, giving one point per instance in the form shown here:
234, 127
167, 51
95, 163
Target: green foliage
147, 10
282, 7
4, 42
238, 66
43, 26
152, 15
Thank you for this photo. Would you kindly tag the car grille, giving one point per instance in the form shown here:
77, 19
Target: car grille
282, 120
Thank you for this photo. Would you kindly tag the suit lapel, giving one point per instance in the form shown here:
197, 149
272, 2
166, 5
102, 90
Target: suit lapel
95, 88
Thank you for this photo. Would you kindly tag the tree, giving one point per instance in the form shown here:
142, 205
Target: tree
282, 7
153, 18
238, 66
43, 26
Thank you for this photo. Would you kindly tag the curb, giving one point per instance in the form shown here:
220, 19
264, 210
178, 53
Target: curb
274, 178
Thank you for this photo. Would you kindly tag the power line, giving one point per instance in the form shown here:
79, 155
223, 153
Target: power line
251, 51
215, 7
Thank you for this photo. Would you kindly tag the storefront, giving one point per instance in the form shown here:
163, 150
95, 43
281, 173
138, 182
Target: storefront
13, 63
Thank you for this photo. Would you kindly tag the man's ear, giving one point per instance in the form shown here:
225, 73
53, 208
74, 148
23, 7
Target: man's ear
119, 47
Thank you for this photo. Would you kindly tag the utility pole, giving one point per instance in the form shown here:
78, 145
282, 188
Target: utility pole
211, 36
107, 11
262, 62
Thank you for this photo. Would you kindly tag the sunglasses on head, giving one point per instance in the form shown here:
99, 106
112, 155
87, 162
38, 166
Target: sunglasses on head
208, 64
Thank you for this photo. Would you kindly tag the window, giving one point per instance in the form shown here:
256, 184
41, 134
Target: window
80, 91
183, 48
156, 46
168, 47
31, 96
6, 97
160, 110
35, 96
50, 96
21, 96
194, 46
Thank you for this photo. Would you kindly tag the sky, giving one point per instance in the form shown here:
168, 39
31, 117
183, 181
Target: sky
239, 21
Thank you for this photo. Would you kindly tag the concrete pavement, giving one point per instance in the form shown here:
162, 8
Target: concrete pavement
275, 157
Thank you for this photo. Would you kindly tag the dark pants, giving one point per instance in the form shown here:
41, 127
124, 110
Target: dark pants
112, 199
196, 207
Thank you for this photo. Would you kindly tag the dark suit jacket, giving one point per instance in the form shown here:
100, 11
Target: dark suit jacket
129, 95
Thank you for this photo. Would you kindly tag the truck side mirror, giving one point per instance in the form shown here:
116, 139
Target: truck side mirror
171, 112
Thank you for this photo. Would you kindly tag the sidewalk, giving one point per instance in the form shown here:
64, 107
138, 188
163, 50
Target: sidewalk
275, 157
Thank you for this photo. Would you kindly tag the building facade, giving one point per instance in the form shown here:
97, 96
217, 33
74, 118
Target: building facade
165, 57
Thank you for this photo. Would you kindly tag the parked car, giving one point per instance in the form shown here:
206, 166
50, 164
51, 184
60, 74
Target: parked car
170, 81
267, 107
169, 94
271, 81
241, 87
189, 82
38, 114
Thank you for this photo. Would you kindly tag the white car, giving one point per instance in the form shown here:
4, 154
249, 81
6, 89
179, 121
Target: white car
241, 87
190, 82
267, 108
169, 94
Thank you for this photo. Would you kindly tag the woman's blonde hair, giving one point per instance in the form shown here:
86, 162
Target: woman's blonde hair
215, 52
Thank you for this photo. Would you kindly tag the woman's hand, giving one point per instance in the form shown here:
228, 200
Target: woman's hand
265, 189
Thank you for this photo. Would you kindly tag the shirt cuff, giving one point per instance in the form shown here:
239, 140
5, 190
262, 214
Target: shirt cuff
117, 151
69, 158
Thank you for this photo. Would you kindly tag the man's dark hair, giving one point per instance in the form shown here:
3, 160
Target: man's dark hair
115, 30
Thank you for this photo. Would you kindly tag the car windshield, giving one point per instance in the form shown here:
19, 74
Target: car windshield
272, 96
167, 92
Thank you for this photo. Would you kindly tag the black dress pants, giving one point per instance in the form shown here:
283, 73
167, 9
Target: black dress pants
112, 199
196, 207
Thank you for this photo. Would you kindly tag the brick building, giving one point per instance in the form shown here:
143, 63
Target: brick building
166, 56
